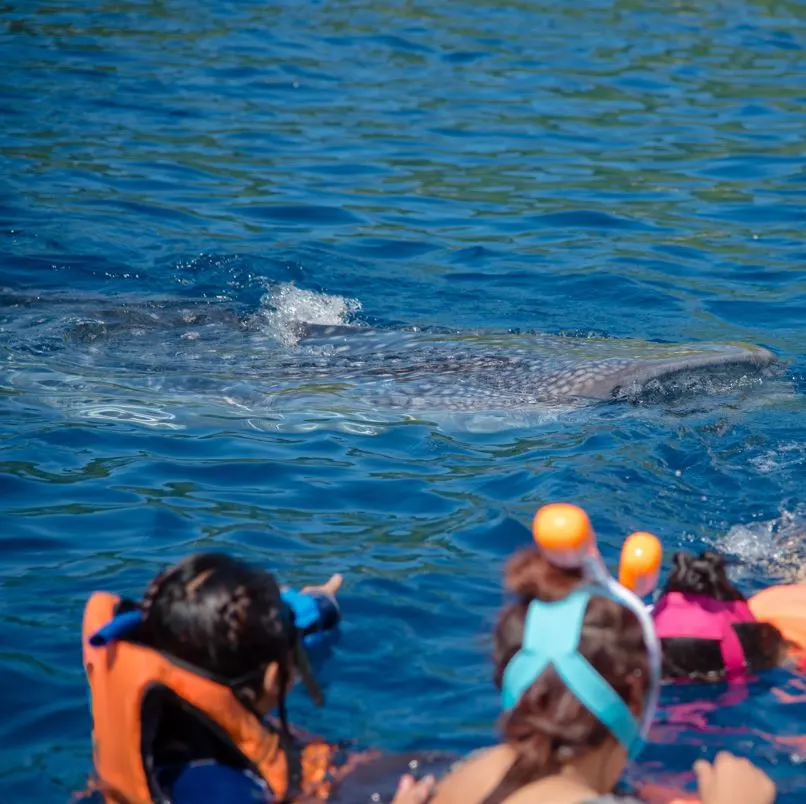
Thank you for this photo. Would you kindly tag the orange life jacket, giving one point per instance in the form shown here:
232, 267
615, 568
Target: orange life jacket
126, 680
785, 607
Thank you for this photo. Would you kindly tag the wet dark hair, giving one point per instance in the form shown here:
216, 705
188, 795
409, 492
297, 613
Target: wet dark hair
549, 727
225, 618
701, 659
705, 574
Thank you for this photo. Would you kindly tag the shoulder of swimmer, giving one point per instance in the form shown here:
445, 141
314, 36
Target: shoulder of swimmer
474, 777
560, 789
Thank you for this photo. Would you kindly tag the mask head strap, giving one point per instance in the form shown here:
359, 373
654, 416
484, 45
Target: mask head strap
551, 636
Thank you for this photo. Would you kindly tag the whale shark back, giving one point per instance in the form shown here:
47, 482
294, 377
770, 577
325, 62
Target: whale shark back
476, 370
77, 351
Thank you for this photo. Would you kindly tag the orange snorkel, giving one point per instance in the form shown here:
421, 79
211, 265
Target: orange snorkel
564, 534
640, 563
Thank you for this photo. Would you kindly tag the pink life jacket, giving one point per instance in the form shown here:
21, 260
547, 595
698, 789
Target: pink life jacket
683, 616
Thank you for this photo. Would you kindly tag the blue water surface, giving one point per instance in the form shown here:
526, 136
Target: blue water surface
620, 168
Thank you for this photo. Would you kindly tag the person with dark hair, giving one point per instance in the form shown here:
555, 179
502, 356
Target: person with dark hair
575, 670
183, 682
707, 627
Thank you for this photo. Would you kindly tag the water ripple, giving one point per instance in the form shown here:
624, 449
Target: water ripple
614, 169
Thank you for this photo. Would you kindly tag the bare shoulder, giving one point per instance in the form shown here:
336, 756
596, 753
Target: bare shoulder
472, 778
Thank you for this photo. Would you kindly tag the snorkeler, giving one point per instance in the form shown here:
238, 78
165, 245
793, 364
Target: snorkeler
182, 684
708, 628
578, 665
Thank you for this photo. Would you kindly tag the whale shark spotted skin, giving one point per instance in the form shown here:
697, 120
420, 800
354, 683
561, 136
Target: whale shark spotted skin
476, 371
219, 350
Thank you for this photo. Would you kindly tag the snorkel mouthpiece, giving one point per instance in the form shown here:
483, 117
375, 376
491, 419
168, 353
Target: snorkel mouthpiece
564, 534
118, 627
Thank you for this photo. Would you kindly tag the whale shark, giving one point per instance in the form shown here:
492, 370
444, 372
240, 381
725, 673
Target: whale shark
472, 371
304, 350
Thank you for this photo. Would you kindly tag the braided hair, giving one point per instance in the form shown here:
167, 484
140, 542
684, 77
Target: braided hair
223, 617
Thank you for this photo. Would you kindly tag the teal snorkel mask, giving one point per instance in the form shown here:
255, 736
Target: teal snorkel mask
552, 631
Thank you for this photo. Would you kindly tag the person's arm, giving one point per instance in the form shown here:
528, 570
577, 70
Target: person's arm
474, 777
317, 616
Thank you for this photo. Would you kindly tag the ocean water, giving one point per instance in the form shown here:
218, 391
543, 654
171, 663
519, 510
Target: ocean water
180, 183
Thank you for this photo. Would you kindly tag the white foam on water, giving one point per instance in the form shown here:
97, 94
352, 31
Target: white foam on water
775, 547
785, 456
286, 306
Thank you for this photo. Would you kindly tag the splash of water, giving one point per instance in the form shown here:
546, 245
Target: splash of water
774, 547
285, 307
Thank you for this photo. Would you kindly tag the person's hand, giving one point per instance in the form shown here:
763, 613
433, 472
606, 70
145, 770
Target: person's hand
731, 780
330, 588
411, 792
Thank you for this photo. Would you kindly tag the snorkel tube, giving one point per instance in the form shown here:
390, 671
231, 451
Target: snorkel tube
639, 567
564, 534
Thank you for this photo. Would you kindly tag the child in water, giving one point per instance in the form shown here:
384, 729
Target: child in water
183, 682
707, 628
559, 644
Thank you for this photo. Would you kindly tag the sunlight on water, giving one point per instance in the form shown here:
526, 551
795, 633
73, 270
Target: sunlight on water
319, 284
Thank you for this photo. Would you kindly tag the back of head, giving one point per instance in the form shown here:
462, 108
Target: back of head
705, 574
702, 659
218, 614
549, 727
